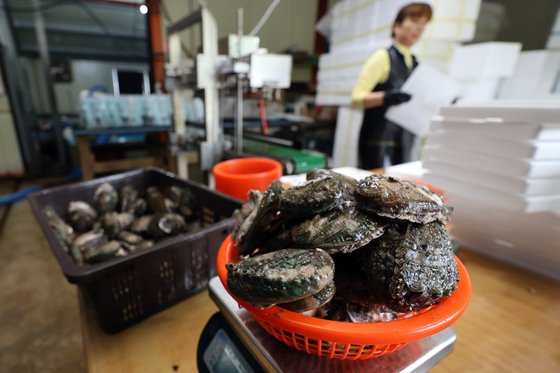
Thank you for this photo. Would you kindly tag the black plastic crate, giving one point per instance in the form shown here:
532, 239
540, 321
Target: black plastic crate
123, 291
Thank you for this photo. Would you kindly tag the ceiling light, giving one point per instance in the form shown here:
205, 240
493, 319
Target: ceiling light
143, 9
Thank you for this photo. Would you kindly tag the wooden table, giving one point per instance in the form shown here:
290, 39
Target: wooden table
91, 166
512, 324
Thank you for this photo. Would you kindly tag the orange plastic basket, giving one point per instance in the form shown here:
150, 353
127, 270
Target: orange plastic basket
344, 340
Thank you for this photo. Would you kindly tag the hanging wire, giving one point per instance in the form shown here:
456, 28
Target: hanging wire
264, 18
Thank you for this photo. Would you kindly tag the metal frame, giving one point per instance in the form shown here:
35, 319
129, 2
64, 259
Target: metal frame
211, 148
77, 53
43, 46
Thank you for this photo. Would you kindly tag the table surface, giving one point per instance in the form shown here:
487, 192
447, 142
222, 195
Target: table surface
120, 130
512, 324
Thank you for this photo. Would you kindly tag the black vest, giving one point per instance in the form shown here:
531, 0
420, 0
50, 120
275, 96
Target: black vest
374, 123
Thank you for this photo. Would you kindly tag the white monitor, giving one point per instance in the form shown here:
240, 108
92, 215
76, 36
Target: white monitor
130, 81
270, 70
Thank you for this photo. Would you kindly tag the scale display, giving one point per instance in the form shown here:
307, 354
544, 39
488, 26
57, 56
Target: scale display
222, 356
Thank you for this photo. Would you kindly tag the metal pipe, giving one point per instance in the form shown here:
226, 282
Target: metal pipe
239, 119
42, 44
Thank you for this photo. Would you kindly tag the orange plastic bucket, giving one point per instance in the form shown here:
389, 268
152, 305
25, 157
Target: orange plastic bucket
237, 177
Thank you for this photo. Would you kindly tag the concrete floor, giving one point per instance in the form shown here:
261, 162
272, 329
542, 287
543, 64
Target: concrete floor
39, 316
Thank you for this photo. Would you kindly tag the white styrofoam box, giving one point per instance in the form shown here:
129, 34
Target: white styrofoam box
535, 76
484, 60
503, 222
545, 223
554, 37
10, 156
348, 73
498, 130
453, 20
339, 85
437, 53
342, 99
511, 239
529, 187
353, 172
502, 166
348, 124
553, 41
445, 29
541, 222
481, 89
530, 204
479, 143
506, 251
354, 22
362, 21
504, 111
354, 57
408, 171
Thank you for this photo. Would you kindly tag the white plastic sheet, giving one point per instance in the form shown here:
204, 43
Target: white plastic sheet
348, 124
430, 90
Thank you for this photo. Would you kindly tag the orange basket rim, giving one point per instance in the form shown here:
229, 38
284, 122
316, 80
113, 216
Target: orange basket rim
221, 169
420, 325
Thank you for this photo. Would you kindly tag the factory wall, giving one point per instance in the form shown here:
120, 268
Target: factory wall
11, 161
85, 74
291, 24
535, 18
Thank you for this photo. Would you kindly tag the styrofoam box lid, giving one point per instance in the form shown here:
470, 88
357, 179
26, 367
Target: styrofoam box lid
528, 187
484, 60
519, 167
537, 227
494, 248
477, 143
513, 201
517, 111
537, 248
497, 129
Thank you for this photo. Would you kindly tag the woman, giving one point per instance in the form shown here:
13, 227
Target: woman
378, 87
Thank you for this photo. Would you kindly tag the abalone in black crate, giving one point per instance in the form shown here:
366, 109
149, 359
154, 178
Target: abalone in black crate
122, 222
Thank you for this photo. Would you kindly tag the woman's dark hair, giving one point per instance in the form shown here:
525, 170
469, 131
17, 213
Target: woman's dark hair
413, 10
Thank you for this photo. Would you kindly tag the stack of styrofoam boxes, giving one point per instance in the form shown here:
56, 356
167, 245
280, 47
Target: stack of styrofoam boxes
554, 37
499, 163
536, 75
453, 22
489, 21
480, 68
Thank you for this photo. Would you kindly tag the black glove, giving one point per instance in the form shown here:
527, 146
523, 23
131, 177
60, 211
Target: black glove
395, 97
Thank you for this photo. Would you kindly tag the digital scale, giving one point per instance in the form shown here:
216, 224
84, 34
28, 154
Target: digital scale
232, 341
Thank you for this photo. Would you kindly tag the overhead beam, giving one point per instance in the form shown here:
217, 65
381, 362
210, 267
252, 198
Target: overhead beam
185, 22
81, 30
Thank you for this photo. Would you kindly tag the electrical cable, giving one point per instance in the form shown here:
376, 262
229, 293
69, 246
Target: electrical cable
264, 18
18, 195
